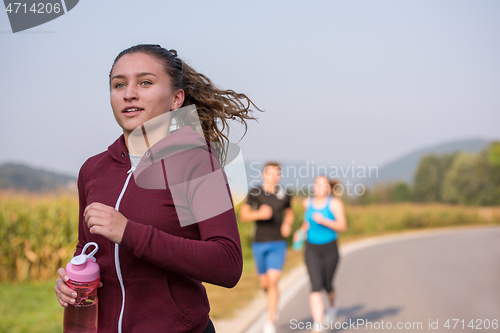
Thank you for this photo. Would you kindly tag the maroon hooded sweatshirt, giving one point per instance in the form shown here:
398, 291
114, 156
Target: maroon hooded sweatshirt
152, 279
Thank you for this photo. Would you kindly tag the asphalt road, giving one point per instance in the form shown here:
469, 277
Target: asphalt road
413, 284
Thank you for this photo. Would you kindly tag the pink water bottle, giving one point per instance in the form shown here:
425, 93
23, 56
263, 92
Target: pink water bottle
83, 273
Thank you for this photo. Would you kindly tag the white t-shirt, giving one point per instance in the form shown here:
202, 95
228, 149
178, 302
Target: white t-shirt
134, 160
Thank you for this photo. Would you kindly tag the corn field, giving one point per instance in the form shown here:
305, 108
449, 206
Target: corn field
38, 233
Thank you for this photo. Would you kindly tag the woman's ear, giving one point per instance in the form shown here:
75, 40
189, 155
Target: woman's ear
178, 100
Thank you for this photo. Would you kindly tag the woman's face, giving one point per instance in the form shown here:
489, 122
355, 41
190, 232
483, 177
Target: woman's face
141, 90
322, 187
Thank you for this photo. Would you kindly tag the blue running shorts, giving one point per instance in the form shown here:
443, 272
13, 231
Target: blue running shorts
269, 255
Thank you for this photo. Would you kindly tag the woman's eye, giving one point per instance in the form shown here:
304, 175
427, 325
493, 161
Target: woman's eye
147, 83
118, 85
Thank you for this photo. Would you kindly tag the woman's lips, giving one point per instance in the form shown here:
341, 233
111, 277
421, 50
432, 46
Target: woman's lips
132, 113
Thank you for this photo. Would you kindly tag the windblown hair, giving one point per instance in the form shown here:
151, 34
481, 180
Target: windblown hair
214, 106
333, 183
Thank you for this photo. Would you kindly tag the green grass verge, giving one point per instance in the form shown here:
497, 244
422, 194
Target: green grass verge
29, 308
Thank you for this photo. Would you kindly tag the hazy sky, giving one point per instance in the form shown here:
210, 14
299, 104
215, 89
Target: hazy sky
341, 81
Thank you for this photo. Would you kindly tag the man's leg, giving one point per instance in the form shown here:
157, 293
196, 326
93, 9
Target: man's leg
263, 281
274, 261
259, 251
272, 277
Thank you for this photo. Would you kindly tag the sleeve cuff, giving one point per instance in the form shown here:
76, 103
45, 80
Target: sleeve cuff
136, 236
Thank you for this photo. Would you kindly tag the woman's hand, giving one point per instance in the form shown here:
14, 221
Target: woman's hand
340, 223
65, 295
105, 221
296, 235
319, 218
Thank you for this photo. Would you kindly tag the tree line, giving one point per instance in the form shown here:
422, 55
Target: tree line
455, 178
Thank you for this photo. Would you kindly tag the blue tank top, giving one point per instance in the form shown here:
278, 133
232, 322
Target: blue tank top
317, 233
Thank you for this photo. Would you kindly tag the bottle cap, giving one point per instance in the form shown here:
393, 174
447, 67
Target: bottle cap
83, 268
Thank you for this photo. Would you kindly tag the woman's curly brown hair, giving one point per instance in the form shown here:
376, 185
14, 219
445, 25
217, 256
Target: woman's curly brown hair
214, 106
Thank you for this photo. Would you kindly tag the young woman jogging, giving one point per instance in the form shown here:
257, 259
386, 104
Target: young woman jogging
151, 265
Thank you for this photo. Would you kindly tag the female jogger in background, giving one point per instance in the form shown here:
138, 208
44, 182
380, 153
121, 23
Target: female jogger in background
324, 218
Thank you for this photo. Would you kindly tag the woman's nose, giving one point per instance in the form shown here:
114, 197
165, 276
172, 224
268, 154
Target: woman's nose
130, 93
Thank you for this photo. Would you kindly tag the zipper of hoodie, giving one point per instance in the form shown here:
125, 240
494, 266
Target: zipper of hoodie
117, 249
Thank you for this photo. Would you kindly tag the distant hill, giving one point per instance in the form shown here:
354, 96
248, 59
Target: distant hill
23, 177
405, 167
302, 174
